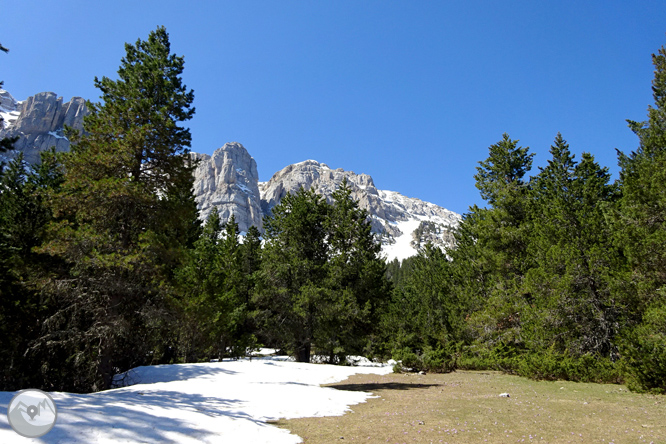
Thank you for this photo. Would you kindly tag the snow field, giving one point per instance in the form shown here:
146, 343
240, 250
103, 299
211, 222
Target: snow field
219, 402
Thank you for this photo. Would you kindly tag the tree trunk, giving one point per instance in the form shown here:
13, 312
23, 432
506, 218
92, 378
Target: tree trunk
303, 352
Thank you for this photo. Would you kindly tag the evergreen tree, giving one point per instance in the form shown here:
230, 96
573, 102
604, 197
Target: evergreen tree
641, 231
569, 286
321, 281
125, 212
293, 272
356, 279
491, 258
24, 212
425, 318
215, 295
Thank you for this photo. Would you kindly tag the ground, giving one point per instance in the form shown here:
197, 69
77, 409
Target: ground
465, 407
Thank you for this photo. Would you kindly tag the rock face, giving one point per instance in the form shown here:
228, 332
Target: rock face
404, 224
228, 181
39, 122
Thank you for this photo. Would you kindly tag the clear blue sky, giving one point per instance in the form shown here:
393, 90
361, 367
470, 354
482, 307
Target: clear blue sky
410, 92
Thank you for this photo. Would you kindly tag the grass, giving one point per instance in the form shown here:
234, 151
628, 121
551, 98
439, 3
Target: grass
465, 407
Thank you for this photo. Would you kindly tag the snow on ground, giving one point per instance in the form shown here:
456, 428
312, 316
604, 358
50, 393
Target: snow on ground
218, 402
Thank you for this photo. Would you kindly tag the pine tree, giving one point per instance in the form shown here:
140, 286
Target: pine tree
569, 285
24, 213
356, 279
491, 257
642, 225
125, 212
293, 272
214, 288
322, 282
425, 317
641, 231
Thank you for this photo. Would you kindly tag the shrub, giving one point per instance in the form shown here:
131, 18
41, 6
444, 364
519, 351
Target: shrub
439, 360
552, 365
643, 353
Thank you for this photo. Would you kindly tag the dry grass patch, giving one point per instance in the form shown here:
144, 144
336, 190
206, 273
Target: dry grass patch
465, 407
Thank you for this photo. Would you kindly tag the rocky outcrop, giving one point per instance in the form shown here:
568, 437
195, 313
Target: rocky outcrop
324, 180
39, 122
404, 224
227, 182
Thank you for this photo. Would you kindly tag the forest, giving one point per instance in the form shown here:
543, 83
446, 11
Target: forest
105, 265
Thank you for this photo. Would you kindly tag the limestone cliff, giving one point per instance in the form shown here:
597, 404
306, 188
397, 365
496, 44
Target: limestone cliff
39, 122
404, 224
228, 181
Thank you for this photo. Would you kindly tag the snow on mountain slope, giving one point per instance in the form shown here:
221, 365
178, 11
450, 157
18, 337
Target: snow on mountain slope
9, 109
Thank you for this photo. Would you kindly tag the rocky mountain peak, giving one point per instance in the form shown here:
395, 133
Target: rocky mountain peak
404, 224
8, 104
228, 180
313, 174
39, 122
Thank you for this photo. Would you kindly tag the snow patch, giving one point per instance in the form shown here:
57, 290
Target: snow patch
56, 135
244, 188
227, 401
401, 249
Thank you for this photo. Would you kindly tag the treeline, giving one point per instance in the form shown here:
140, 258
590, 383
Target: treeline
561, 276
104, 264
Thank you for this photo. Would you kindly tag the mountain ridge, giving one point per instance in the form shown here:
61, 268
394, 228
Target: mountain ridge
227, 180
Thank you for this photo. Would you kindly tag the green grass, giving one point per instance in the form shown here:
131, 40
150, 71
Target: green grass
465, 407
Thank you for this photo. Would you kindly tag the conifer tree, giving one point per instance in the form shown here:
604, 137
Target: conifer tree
569, 285
125, 212
425, 316
356, 278
641, 231
215, 295
491, 257
322, 282
293, 272
24, 213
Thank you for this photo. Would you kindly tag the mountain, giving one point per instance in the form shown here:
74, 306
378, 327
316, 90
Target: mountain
39, 122
228, 179
404, 224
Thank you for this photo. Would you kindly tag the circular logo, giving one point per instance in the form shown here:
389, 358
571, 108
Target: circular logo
32, 413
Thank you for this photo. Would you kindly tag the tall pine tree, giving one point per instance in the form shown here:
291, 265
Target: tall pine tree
490, 261
292, 290
126, 215
570, 291
322, 282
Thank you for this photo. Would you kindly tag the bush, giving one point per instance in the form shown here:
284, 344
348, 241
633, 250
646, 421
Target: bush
503, 357
551, 365
439, 360
544, 365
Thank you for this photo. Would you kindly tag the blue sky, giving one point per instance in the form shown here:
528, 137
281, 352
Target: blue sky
411, 92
